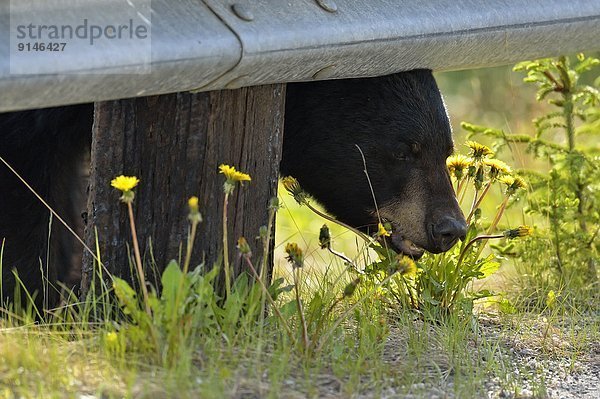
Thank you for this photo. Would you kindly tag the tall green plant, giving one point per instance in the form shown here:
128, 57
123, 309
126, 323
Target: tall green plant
566, 196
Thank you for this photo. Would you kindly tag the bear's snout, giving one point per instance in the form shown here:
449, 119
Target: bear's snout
446, 232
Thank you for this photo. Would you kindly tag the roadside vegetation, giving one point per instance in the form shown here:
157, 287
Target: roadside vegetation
511, 311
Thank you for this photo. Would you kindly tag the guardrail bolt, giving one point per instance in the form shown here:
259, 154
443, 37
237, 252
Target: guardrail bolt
242, 12
327, 5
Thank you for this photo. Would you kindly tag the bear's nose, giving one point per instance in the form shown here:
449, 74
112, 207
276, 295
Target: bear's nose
447, 231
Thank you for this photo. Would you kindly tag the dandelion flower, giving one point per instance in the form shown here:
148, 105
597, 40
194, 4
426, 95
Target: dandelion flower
382, 231
513, 183
232, 174
125, 183
457, 164
497, 167
525, 231
406, 266
479, 151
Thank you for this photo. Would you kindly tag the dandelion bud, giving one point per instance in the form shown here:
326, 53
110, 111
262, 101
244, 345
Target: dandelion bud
274, 203
295, 256
351, 287
324, 237
243, 247
471, 170
194, 214
521, 231
263, 232
550, 299
293, 187
111, 338
478, 182
193, 204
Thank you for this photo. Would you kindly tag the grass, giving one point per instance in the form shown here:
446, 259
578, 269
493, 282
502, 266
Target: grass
376, 352
359, 345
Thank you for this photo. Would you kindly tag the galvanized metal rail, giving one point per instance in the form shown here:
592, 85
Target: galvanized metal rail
218, 44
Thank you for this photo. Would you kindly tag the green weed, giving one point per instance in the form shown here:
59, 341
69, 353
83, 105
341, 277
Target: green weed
564, 199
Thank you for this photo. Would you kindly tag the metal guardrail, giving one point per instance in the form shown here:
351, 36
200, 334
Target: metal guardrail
220, 44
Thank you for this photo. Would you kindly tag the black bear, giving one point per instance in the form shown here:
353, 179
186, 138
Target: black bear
399, 122
46, 147
401, 125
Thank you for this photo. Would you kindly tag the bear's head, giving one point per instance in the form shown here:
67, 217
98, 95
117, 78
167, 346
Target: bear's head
400, 124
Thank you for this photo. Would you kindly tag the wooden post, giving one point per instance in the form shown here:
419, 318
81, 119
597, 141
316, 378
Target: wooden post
174, 144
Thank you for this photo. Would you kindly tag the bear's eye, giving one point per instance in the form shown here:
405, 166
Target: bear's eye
401, 157
401, 152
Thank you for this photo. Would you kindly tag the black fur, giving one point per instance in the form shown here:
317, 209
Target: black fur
46, 147
401, 125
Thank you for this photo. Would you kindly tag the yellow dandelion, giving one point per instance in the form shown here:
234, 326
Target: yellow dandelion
496, 167
513, 183
233, 175
125, 183
111, 338
508, 180
458, 161
457, 164
525, 231
406, 266
478, 150
520, 183
382, 231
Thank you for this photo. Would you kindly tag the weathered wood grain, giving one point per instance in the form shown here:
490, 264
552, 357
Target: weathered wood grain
174, 143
